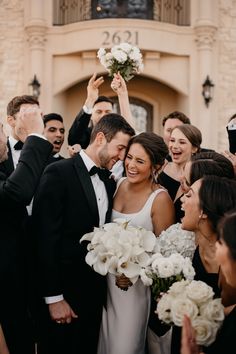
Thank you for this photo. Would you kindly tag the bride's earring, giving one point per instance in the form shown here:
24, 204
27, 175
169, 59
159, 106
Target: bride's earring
155, 176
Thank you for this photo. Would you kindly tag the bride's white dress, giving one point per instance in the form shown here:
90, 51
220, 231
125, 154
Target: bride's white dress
125, 321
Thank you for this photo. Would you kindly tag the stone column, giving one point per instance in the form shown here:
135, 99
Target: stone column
36, 30
205, 33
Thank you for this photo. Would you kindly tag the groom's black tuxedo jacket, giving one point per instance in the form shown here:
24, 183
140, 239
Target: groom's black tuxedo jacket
65, 208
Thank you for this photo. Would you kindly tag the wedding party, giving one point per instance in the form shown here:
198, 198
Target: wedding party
117, 177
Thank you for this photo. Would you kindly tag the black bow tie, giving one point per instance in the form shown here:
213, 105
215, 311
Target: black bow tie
102, 173
18, 145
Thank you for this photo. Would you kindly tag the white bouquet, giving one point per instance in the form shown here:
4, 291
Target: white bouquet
119, 248
194, 299
162, 272
123, 58
176, 240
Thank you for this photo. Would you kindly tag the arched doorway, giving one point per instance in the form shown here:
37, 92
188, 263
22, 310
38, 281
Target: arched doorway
141, 111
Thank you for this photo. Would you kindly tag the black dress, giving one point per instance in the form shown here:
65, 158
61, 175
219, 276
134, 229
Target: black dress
172, 186
225, 340
210, 279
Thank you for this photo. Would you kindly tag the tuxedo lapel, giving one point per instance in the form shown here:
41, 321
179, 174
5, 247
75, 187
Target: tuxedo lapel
87, 186
110, 185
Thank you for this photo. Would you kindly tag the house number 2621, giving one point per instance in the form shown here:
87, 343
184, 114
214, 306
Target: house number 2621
114, 38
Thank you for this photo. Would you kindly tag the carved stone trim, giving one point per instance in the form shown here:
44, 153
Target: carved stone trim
205, 36
36, 36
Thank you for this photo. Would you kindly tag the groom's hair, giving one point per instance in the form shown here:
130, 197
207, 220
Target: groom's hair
110, 125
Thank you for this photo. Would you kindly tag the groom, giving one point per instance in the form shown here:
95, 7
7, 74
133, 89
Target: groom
71, 201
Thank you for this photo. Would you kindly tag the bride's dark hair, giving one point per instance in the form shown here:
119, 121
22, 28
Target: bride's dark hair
154, 146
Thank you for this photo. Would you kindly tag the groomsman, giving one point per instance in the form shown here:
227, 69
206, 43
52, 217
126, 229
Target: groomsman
14, 143
71, 200
54, 131
16, 191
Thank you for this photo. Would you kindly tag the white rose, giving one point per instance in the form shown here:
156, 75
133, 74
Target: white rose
213, 310
177, 261
101, 52
126, 47
183, 306
199, 292
164, 267
120, 56
178, 287
163, 309
205, 331
188, 270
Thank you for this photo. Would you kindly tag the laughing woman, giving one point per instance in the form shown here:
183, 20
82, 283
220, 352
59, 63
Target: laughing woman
141, 200
206, 202
185, 141
225, 255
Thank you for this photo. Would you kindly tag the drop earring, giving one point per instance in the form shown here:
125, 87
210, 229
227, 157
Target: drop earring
155, 177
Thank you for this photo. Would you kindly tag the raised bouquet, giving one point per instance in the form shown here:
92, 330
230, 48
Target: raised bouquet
119, 248
194, 299
123, 58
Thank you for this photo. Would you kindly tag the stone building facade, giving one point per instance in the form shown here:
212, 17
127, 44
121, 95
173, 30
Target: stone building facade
177, 59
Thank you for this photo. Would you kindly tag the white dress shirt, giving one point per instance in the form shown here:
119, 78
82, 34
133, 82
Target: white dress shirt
15, 153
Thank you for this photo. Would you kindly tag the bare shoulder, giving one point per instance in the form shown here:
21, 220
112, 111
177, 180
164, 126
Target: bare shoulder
162, 198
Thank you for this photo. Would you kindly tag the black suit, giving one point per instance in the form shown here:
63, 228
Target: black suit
65, 208
16, 192
53, 159
80, 130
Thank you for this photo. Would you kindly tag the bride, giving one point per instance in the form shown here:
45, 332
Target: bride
143, 202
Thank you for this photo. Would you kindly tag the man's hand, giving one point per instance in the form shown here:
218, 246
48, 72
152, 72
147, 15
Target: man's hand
61, 312
92, 90
29, 122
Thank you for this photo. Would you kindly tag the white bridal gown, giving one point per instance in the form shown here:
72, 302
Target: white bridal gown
124, 323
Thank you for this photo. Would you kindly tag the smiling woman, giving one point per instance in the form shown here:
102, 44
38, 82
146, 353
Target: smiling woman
185, 141
144, 203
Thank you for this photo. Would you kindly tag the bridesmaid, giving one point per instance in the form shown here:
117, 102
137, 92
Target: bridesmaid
225, 255
185, 141
206, 202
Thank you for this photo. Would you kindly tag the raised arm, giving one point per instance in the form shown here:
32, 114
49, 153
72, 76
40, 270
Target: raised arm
119, 86
78, 132
20, 186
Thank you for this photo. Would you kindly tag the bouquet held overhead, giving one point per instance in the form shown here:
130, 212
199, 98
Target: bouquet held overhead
123, 58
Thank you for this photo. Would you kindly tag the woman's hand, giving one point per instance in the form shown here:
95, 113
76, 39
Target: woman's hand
123, 282
188, 339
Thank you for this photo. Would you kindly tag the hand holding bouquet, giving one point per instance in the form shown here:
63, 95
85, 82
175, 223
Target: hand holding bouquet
119, 248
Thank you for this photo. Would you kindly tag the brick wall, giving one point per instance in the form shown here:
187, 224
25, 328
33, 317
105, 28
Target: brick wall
11, 51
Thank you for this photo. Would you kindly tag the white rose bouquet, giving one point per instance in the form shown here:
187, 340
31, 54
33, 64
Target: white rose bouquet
162, 272
176, 240
119, 248
123, 58
194, 299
